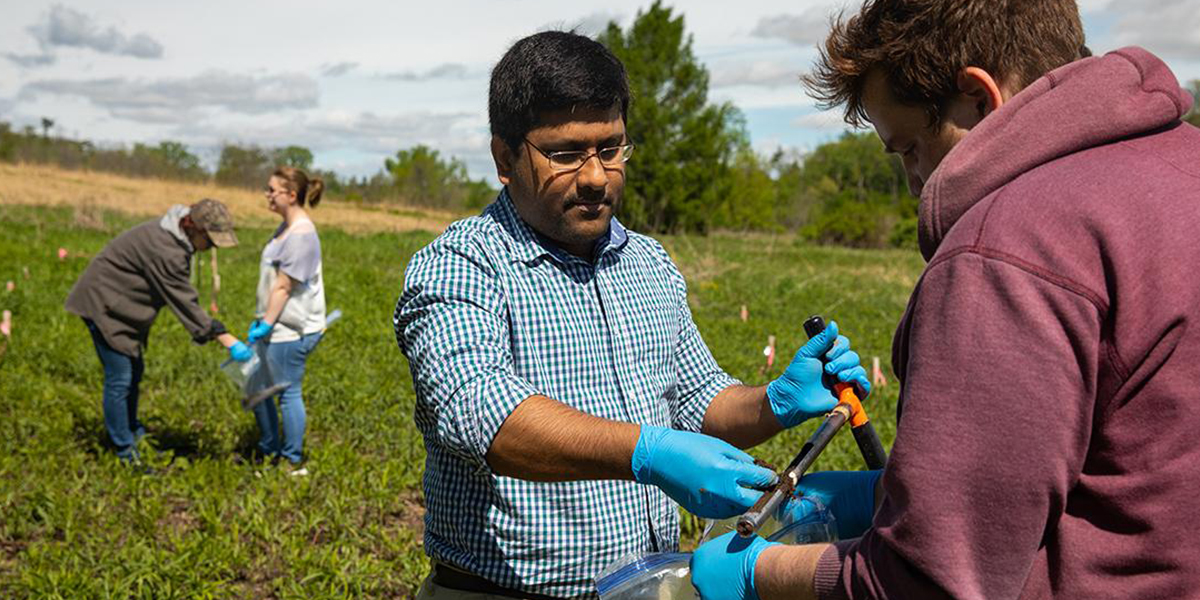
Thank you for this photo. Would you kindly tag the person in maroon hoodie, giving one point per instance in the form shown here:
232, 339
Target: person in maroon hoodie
1050, 353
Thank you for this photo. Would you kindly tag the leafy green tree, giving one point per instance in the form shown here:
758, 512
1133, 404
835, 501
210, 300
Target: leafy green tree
245, 167
754, 193
680, 174
421, 176
294, 156
169, 160
860, 193
176, 156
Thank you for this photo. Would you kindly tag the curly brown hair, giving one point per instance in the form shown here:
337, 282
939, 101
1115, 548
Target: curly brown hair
921, 45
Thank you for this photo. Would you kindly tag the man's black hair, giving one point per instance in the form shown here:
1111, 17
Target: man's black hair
549, 71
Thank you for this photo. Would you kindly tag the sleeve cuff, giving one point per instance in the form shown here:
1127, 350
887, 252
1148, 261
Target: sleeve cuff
215, 329
828, 577
691, 414
496, 399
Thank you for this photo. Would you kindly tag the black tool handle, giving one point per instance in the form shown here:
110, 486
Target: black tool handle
869, 444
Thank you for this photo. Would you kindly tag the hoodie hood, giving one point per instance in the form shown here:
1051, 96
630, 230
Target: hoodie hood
170, 222
1088, 103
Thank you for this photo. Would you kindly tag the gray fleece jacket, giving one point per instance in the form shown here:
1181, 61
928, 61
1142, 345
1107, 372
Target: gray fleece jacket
136, 274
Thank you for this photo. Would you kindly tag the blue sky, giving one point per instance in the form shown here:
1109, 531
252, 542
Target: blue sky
356, 81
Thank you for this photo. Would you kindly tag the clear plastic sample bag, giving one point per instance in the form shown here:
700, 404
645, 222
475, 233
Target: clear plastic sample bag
255, 378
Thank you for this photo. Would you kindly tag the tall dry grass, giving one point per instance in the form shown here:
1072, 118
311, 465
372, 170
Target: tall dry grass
41, 185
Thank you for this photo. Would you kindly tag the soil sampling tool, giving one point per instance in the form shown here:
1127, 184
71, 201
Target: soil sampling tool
254, 377
849, 408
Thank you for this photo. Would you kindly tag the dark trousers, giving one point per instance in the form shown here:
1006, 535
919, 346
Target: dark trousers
122, 374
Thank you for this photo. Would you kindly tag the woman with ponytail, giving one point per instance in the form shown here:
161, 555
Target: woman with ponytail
290, 313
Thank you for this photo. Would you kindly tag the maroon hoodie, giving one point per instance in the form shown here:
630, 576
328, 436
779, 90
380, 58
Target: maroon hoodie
1048, 444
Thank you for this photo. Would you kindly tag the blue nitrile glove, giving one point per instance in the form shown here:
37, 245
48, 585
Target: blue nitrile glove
799, 394
259, 329
705, 475
849, 495
724, 568
240, 352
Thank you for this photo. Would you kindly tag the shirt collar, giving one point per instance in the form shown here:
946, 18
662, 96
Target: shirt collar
531, 245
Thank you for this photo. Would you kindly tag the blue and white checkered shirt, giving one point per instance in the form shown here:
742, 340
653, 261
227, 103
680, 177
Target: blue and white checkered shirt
493, 313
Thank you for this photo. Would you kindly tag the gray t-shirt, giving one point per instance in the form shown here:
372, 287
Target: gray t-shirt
296, 252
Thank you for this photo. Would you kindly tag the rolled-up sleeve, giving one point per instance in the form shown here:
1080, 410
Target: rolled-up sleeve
451, 323
699, 378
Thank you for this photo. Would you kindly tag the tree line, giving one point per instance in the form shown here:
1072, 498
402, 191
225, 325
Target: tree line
694, 169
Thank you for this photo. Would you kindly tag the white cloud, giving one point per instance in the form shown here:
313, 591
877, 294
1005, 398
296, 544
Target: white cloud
758, 73
178, 99
343, 130
1093, 6
63, 26
30, 60
823, 120
337, 69
442, 71
1168, 27
808, 28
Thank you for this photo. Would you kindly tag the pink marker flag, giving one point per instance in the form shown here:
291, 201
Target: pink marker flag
745, 314
6, 324
769, 352
877, 376
62, 254
10, 286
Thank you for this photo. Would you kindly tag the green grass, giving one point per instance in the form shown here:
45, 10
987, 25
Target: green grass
75, 524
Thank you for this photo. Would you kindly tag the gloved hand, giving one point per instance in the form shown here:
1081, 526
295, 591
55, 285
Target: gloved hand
849, 495
705, 475
724, 568
799, 394
240, 352
259, 329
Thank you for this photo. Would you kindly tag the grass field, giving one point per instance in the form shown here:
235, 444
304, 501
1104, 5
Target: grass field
75, 524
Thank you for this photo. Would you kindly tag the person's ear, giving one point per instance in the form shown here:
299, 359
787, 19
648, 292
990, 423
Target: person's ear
981, 89
504, 158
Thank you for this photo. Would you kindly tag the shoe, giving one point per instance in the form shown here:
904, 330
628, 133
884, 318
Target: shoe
297, 470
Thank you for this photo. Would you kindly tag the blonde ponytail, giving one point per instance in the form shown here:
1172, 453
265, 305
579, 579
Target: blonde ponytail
316, 185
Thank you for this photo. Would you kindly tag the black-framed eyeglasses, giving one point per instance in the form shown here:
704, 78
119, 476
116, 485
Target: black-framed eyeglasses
571, 160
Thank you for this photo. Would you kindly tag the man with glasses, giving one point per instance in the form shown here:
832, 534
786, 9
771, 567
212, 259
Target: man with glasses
121, 291
566, 398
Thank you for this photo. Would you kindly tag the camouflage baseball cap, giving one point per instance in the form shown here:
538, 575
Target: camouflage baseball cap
216, 221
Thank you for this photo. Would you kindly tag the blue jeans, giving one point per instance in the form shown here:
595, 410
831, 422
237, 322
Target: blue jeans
287, 364
122, 374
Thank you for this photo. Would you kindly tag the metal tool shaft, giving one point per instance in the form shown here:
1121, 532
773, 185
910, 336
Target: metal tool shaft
753, 519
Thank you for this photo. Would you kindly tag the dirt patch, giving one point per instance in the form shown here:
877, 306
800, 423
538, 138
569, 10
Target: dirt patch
9, 549
179, 518
410, 515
